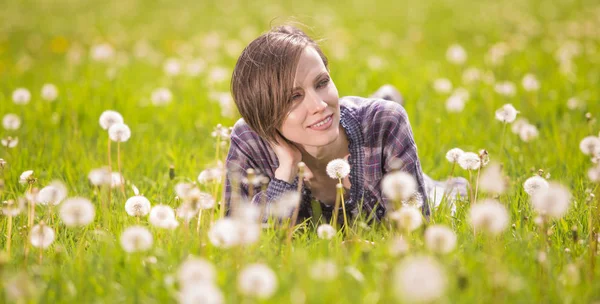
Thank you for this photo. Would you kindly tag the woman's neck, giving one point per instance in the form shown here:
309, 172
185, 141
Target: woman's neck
317, 158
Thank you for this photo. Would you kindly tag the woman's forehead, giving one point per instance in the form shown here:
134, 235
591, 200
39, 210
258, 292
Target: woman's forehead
310, 65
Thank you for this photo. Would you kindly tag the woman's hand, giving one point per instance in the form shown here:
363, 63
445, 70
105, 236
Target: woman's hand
288, 156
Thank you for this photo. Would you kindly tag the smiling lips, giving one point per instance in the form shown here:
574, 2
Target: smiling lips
323, 124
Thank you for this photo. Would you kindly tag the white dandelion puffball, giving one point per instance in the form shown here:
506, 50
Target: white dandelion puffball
397, 246
161, 96
249, 233
109, 118
224, 233
535, 184
323, 270
137, 206
574, 103
52, 194
116, 179
21, 96
454, 154
553, 202
338, 168
493, 180
102, 52
77, 211
518, 124
398, 185
528, 132
162, 216
284, 206
505, 88
440, 239
507, 113
471, 75
257, 280
12, 208
590, 145
210, 175
530, 83
442, 85
594, 174
196, 271
49, 92
11, 121
456, 54
326, 232
455, 104
199, 199
469, 161
186, 211
136, 238
100, 177
9, 142
182, 189
419, 279
206, 293
172, 67
25, 176
489, 216
119, 132
41, 236
407, 218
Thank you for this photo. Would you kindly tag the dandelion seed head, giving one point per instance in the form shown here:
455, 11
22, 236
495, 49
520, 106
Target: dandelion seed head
161, 97
13, 207
530, 83
594, 174
137, 206
109, 118
186, 211
553, 202
442, 85
172, 67
440, 239
419, 279
11, 121
454, 154
196, 271
528, 133
518, 124
199, 199
257, 280
136, 239
489, 216
10, 142
589, 145
456, 54
326, 232
398, 246
20, 288
493, 180
210, 175
469, 161
21, 96
455, 104
574, 103
41, 236
53, 194
119, 132
162, 216
100, 177
407, 218
505, 88
246, 212
77, 211
323, 270
284, 205
471, 75
507, 113
398, 185
535, 184
116, 179
102, 52
26, 177
338, 168
224, 233
201, 293
49, 92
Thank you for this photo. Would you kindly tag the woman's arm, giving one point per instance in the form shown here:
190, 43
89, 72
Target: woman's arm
399, 147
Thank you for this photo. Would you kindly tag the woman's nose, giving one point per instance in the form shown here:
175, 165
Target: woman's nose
316, 104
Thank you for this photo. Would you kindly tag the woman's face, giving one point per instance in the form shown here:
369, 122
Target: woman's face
314, 116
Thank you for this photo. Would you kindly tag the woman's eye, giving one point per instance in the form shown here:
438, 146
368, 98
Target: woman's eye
323, 83
296, 96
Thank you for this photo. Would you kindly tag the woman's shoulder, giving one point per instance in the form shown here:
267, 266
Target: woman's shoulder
373, 112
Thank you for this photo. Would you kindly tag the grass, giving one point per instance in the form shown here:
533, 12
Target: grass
62, 139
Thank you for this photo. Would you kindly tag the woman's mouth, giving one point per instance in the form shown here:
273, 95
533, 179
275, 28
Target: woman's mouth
323, 124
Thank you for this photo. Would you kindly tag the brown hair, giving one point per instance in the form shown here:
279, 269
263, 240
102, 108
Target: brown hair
263, 78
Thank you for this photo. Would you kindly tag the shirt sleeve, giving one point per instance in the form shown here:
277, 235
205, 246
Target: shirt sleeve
243, 155
400, 149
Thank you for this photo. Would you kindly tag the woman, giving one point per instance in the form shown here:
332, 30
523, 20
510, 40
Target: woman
291, 113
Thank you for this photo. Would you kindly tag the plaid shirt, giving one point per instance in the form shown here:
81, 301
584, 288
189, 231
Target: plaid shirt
379, 135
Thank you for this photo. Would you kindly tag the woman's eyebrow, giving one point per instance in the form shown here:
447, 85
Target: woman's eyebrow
315, 81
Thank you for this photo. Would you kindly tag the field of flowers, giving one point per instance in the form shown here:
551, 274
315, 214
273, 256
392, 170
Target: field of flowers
115, 122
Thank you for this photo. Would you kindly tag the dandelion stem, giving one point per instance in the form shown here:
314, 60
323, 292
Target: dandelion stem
502, 140
470, 187
297, 207
341, 194
477, 183
336, 206
199, 222
119, 165
9, 236
108, 155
